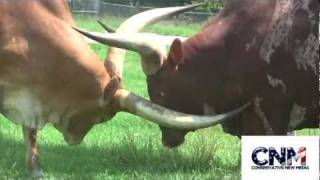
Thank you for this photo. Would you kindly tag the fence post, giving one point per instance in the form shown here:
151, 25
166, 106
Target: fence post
73, 4
96, 6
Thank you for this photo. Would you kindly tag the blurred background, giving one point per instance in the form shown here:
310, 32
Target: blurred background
127, 8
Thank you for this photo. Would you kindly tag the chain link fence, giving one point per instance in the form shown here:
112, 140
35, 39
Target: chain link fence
91, 7
100, 8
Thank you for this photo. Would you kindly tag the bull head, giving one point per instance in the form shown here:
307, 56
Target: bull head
153, 57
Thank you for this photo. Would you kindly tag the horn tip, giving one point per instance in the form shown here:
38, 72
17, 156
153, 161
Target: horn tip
87, 34
105, 27
77, 29
199, 4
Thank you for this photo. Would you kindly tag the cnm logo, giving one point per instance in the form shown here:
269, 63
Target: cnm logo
262, 156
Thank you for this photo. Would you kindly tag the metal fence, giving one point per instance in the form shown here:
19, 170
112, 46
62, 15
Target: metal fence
91, 7
100, 8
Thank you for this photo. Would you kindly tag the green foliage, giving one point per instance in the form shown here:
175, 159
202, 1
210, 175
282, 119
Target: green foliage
211, 5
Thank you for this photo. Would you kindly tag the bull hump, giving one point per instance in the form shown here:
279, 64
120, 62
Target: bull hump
306, 53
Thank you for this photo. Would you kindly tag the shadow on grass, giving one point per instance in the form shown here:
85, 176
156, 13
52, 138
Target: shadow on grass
128, 159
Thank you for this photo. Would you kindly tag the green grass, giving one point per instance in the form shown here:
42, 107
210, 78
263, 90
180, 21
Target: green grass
126, 147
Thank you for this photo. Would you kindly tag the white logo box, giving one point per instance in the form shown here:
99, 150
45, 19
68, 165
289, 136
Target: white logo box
249, 170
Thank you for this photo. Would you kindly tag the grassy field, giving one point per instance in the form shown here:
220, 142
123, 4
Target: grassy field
126, 147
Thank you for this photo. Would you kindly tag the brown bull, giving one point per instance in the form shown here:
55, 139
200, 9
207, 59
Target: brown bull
49, 74
264, 52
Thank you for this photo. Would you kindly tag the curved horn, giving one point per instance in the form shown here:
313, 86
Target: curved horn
146, 44
137, 23
136, 105
106, 27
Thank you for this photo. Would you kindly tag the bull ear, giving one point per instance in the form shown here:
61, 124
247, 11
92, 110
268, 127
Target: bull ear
176, 53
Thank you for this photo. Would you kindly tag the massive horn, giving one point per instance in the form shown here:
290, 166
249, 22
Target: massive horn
151, 47
136, 105
135, 24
